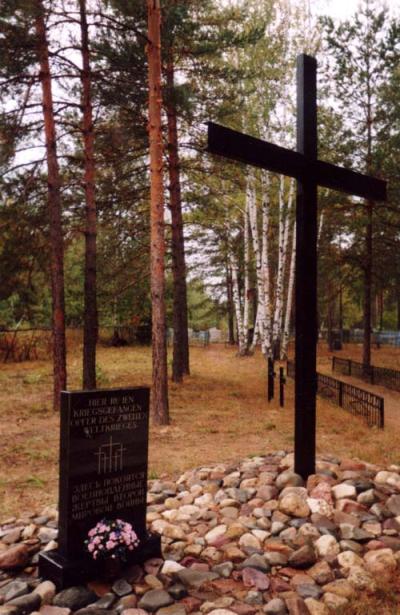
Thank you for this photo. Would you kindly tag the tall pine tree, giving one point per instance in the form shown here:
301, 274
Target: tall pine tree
160, 410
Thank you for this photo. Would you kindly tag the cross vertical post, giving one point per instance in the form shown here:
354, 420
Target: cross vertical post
306, 271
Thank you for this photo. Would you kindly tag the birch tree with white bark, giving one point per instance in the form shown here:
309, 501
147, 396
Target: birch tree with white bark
273, 264
270, 200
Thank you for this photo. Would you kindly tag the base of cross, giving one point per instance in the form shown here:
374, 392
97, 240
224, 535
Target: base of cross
65, 572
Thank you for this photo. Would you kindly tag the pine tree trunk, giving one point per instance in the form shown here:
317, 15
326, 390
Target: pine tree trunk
368, 287
90, 324
368, 238
398, 300
398, 311
54, 210
159, 398
375, 311
180, 361
341, 311
330, 318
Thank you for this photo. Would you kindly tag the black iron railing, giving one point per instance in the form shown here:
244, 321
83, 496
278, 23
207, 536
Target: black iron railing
389, 378
353, 399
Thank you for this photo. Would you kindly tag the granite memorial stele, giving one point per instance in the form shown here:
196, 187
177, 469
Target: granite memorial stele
103, 474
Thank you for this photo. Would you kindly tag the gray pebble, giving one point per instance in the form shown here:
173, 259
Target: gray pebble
122, 588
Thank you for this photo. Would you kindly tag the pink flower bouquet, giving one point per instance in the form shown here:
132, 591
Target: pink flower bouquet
111, 539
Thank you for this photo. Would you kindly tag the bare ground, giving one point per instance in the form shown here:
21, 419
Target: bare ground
220, 413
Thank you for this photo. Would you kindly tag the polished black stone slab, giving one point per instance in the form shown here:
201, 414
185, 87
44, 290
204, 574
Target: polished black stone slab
103, 472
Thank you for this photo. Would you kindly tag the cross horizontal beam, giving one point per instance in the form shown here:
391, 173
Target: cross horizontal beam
250, 150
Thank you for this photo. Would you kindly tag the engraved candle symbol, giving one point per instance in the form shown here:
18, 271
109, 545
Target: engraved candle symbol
110, 457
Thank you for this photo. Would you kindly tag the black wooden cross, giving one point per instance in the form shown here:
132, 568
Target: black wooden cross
310, 173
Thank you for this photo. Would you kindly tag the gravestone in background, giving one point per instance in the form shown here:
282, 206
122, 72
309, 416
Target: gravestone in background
103, 473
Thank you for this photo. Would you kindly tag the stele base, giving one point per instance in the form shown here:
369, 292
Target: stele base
65, 572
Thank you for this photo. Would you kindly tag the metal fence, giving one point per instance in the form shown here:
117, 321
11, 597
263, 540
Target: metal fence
362, 403
356, 336
31, 344
199, 338
385, 376
385, 338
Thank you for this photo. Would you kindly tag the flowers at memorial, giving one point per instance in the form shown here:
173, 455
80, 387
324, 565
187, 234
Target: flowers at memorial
111, 538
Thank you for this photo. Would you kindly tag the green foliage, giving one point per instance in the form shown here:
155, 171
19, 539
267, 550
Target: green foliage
17, 40
361, 59
32, 379
234, 63
35, 481
202, 310
101, 377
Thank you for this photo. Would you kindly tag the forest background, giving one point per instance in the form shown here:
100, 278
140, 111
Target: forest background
75, 183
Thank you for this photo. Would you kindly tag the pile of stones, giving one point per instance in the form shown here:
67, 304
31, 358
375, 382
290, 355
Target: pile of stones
248, 538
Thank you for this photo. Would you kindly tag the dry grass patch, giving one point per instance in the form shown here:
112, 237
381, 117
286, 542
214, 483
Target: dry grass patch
220, 413
385, 356
385, 601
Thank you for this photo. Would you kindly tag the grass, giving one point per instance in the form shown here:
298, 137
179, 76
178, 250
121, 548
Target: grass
32, 379
35, 481
219, 414
384, 601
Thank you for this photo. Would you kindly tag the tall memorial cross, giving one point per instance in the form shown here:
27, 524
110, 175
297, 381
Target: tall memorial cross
310, 173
